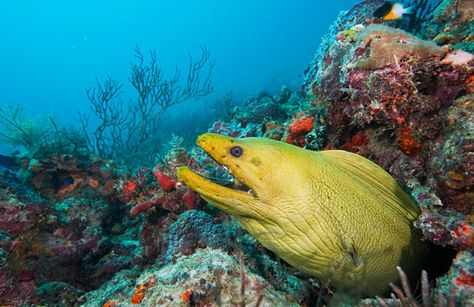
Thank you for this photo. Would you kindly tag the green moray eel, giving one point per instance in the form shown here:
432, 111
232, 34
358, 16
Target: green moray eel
331, 214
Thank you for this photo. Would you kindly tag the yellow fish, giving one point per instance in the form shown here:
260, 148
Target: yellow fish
332, 214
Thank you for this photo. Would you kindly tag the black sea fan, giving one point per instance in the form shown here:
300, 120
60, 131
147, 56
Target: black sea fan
421, 13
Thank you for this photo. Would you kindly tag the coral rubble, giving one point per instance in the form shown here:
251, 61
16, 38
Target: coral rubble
206, 277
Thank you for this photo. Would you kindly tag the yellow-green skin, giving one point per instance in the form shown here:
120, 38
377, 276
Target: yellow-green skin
331, 214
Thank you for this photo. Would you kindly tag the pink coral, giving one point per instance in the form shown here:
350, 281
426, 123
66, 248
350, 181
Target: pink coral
190, 198
130, 186
167, 183
146, 206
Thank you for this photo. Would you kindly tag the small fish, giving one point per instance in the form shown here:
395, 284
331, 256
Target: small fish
391, 11
68, 181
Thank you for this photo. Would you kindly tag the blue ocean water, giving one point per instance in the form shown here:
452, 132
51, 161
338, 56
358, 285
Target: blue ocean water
53, 50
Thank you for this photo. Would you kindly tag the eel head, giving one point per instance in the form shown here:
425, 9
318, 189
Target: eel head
252, 162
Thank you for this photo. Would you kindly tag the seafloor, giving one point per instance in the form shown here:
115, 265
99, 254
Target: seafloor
80, 230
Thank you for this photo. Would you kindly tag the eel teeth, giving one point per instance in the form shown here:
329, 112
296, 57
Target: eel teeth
238, 182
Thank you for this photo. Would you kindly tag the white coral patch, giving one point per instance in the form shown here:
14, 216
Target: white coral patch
458, 58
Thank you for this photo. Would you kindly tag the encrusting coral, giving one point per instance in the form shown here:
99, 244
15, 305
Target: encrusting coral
379, 46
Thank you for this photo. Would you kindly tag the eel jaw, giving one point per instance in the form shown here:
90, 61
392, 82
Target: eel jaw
234, 202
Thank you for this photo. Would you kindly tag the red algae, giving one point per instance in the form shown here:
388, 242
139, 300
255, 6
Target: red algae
359, 139
140, 291
406, 141
298, 129
186, 295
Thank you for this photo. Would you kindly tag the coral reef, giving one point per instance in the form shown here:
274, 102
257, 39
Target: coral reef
460, 278
195, 229
452, 24
405, 103
110, 226
206, 277
52, 244
61, 175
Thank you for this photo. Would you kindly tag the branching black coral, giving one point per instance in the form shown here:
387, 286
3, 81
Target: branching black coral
421, 12
19, 130
111, 116
128, 132
38, 136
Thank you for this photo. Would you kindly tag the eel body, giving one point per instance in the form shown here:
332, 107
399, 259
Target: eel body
332, 214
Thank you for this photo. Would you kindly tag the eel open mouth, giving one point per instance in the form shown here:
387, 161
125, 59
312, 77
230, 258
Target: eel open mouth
197, 182
231, 201
234, 192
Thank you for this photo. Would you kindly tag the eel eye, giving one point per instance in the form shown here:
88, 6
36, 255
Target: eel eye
236, 151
